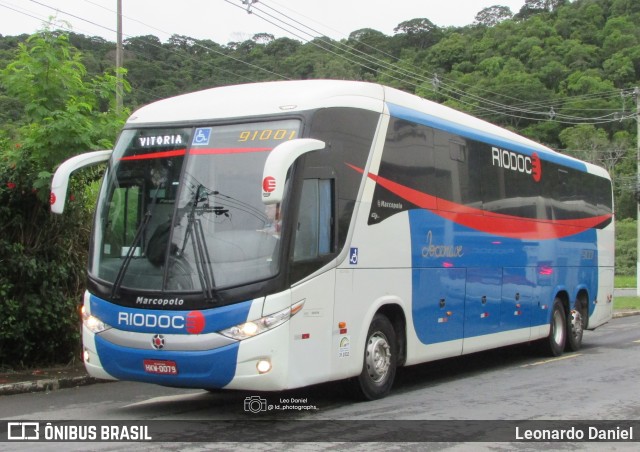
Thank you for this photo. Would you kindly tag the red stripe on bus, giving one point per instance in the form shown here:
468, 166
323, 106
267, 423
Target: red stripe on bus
156, 155
194, 151
486, 221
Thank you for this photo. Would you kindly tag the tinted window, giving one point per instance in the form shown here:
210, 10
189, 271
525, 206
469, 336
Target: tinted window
457, 172
407, 160
572, 194
444, 171
348, 133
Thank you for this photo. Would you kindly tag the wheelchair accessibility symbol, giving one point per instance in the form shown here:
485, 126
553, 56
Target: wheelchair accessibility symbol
353, 256
202, 136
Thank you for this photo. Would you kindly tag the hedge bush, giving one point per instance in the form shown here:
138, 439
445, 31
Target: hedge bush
626, 247
43, 257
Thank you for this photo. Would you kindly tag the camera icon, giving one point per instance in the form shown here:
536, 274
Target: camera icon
255, 404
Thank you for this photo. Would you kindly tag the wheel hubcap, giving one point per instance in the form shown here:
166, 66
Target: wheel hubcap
576, 323
378, 357
558, 328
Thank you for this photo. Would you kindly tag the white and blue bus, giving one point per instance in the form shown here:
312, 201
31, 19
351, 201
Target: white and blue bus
277, 235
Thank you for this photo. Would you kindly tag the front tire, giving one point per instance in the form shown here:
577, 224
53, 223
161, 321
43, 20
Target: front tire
380, 360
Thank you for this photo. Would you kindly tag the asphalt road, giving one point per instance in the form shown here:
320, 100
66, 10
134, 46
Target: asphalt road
598, 383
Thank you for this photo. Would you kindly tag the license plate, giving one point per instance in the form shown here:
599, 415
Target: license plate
161, 367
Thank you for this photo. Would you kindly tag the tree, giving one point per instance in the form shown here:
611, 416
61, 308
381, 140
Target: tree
625, 7
420, 33
449, 51
263, 38
543, 5
42, 258
620, 33
149, 46
626, 246
620, 69
592, 144
371, 42
282, 47
61, 110
493, 15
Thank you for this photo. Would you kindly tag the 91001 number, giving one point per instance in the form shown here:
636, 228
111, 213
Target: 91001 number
266, 135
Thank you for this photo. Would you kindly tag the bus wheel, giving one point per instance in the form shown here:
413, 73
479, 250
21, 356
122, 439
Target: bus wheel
576, 328
554, 344
380, 358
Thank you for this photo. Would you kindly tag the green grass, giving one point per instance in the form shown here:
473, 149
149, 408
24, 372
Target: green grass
624, 281
626, 303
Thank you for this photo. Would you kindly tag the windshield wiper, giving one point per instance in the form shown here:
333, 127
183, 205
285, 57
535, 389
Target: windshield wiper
201, 251
127, 259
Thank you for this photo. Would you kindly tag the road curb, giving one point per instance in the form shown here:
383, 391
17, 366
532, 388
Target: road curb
45, 385
626, 313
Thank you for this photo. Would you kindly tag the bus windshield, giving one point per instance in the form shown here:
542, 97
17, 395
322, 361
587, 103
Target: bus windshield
181, 209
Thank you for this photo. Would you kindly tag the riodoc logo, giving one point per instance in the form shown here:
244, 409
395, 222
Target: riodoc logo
514, 161
194, 322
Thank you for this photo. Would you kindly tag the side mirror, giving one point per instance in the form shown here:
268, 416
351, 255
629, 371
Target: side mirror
278, 163
60, 180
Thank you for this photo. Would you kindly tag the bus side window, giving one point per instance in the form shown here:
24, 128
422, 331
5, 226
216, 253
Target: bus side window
314, 232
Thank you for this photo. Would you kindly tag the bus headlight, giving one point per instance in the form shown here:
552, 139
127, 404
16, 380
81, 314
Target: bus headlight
255, 327
94, 324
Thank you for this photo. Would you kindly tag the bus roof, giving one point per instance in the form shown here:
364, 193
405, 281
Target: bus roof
257, 99
269, 98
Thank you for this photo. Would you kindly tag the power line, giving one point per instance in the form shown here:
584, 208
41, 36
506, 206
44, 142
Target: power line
196, 43
481, 106
422, 78
518, 111
23, 12
162, 31
63, 26
73, 15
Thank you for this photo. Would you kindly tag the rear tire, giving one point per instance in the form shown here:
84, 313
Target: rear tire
576, 323
380, 360
554, 344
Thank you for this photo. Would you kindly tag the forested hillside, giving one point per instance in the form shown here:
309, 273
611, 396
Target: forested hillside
564, 73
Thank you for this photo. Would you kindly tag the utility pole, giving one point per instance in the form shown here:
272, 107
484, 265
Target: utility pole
636, 94
119, 58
